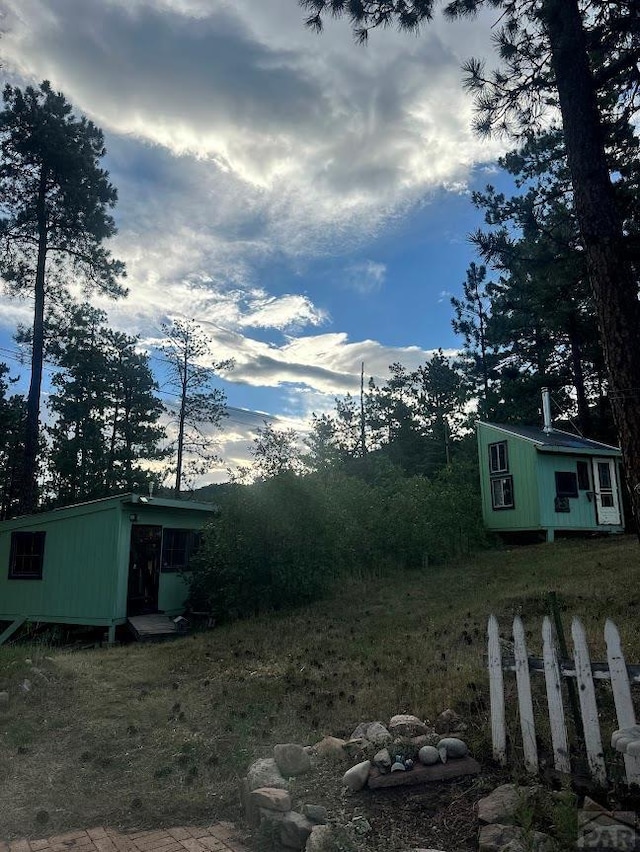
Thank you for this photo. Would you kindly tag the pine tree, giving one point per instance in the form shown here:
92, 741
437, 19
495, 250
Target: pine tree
323, 454
472, 314
55, 199
441, 393
135, 436
276, 451
580, 59
105, 434
542, 322
78, 403
201, 407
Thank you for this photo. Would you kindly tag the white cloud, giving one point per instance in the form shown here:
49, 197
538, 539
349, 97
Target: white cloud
324, 363
366, 277
320, 134
237, 138
284, 312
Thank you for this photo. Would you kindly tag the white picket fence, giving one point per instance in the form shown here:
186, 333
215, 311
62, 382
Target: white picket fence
554, 670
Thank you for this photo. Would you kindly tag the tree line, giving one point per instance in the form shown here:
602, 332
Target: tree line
565, 89
105, 429
552, 299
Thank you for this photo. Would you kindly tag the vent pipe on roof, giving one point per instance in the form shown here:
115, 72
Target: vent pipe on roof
546, 411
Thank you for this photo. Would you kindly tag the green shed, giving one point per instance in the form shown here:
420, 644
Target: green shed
549, 480
98, 563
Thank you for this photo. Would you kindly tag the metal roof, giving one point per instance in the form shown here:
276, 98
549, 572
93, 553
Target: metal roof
106, 503
556, 441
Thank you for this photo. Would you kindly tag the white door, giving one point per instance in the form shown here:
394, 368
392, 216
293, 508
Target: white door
606, 491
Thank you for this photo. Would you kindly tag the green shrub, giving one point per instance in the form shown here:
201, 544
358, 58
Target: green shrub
267, 549
283, 541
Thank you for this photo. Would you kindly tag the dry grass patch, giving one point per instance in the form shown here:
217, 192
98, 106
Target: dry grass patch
159, 734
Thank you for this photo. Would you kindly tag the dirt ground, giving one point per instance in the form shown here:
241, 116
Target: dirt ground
433, 816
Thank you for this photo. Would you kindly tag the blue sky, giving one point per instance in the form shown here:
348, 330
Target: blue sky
305, 199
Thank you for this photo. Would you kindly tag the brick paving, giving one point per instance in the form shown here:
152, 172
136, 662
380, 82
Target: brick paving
220, 837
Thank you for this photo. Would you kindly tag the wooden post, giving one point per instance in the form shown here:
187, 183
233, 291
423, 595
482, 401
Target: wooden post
496, 693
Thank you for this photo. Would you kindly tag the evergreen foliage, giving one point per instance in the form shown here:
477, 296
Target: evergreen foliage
283, 541
106, 430
12, 414
578, 60
536, 325
200, 408
53, 222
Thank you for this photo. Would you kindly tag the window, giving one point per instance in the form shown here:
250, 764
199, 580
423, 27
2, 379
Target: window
502, 492
604, 475
26, 555
498, 458
584, 483
566, 483
178, 546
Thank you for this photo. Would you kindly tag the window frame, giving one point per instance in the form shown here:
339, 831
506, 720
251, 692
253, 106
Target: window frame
503, 506
190, 547
35, 537
498, 446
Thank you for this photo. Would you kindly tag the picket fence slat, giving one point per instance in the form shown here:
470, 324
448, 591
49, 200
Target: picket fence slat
523, 682
553, 682
588, 708
621, 694
584, 671
496, 693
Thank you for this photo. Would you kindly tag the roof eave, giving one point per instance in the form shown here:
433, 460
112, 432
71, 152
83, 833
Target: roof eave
580, 451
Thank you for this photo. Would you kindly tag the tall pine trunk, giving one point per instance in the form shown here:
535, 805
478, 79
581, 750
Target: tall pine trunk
28, 478
611, 274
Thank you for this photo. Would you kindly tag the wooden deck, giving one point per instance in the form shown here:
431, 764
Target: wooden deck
152, 626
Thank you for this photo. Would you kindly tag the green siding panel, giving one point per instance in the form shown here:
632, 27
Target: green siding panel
172, 593
582, 511
80, 570
534, 486
86, 561
522, 467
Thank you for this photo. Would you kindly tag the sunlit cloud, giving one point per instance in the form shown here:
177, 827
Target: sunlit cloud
240, 142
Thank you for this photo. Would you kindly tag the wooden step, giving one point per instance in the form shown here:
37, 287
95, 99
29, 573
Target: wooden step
152, 625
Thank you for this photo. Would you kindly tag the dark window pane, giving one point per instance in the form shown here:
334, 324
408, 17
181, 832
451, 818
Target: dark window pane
26, 556
178, 546
584, 483
604, 475
502, 492
498, 459
566, 484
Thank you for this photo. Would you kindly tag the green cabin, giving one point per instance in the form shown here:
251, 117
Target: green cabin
548, 480
100, 562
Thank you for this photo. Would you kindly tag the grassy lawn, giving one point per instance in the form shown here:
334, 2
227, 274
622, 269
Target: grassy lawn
159, 734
